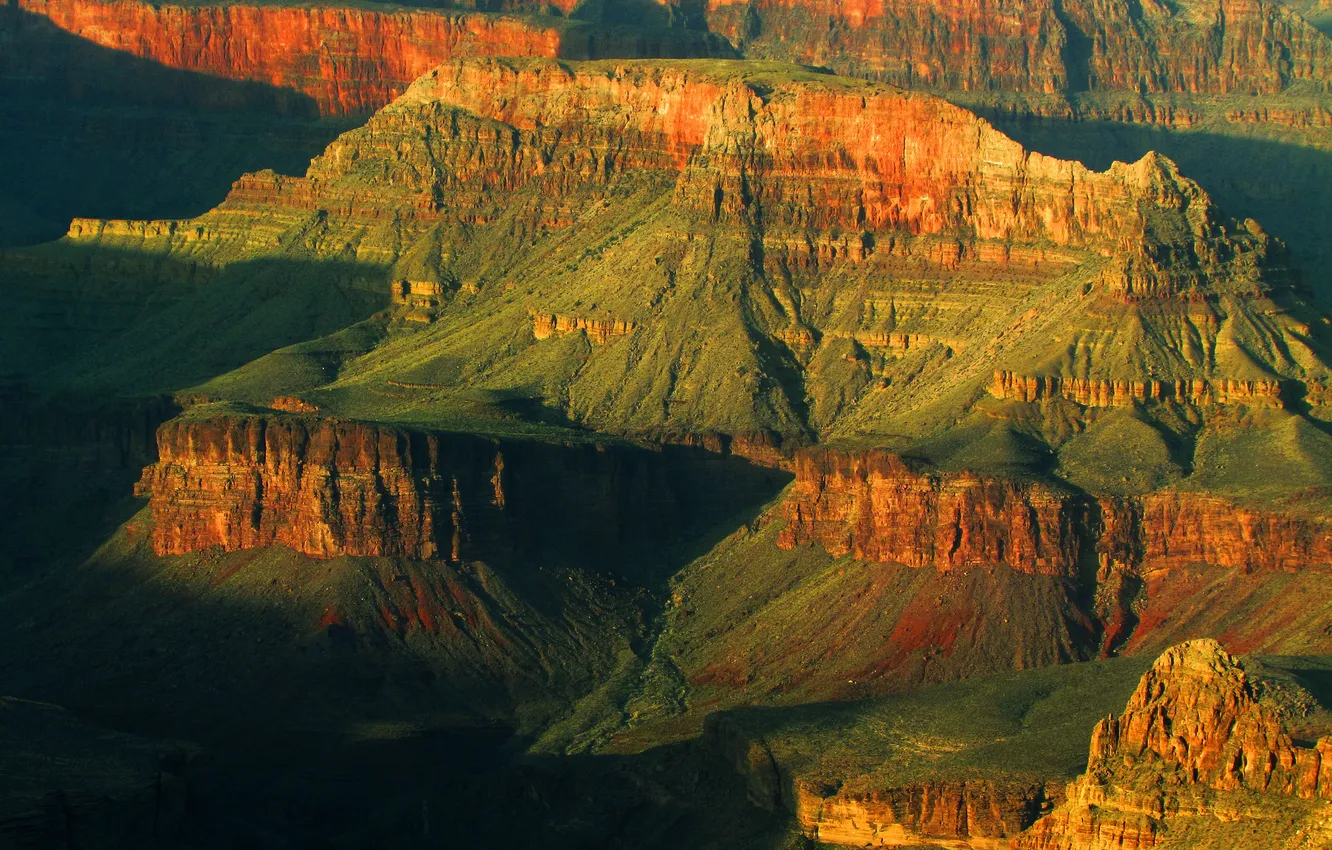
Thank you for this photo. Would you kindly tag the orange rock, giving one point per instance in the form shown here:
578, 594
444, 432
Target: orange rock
876, 507
1194, 723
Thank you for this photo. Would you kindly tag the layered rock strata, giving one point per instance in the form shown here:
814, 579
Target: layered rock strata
973, 814
876, 507
598, 330
1193, 731
349, 60
810, 155
1091, 392
327, 488
1046, 47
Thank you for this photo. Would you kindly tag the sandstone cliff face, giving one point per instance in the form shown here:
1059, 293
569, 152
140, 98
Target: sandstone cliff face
875, 507
1047, 47
327, 488
1125, 393
1193, 731
971, 814
349, 60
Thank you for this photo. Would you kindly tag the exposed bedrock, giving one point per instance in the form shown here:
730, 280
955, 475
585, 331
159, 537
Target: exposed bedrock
328, 488
1045, 47
1194, 738
878, 507
349, 60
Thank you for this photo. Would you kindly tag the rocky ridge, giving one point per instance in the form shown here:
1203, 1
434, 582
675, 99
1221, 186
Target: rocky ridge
1193, 737
1046, 48
483, 167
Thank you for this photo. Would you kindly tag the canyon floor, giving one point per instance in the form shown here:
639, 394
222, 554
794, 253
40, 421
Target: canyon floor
768, 425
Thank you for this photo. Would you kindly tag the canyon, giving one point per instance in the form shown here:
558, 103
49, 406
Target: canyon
577, 425
876, 507
346, 60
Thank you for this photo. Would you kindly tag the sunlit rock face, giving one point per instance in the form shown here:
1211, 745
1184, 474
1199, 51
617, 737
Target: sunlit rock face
1193, 738
349, 60
1043, 47
326, 488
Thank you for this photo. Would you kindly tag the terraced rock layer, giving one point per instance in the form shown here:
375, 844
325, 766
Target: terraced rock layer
327, 488
1047, 47
876, 507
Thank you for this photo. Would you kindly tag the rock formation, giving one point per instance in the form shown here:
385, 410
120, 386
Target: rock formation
1046, 48
1192, 736
877, 507
350, 60
597, 330
978, 813
325, 488
1111, 393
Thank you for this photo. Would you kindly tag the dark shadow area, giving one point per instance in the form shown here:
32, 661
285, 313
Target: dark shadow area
67, 461
1285, 186
326, 713
86, 131
95, 320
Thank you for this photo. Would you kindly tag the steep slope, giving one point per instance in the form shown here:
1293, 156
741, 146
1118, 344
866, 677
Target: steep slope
1071, 362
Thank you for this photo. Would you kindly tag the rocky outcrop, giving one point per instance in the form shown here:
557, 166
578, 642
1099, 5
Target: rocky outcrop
959, 813
877, 507
1093, 392
327, 488
1046, 47
349, 60
1194, 730
599, 331
964, 813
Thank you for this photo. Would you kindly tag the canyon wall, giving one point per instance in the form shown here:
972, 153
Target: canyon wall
1193, 732
327, 488
803, 153
975, 814
1046, 47
350, 60
876, 507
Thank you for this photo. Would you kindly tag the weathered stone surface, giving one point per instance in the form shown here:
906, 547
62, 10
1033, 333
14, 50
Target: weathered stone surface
973, 814
876, 507
1193, 727
1109, 393
327, 487
1045, 47
349, 60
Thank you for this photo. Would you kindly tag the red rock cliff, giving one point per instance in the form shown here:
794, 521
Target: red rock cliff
807, 153
328, 488
876, 507
1073, 45
1194, 726
350, 60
